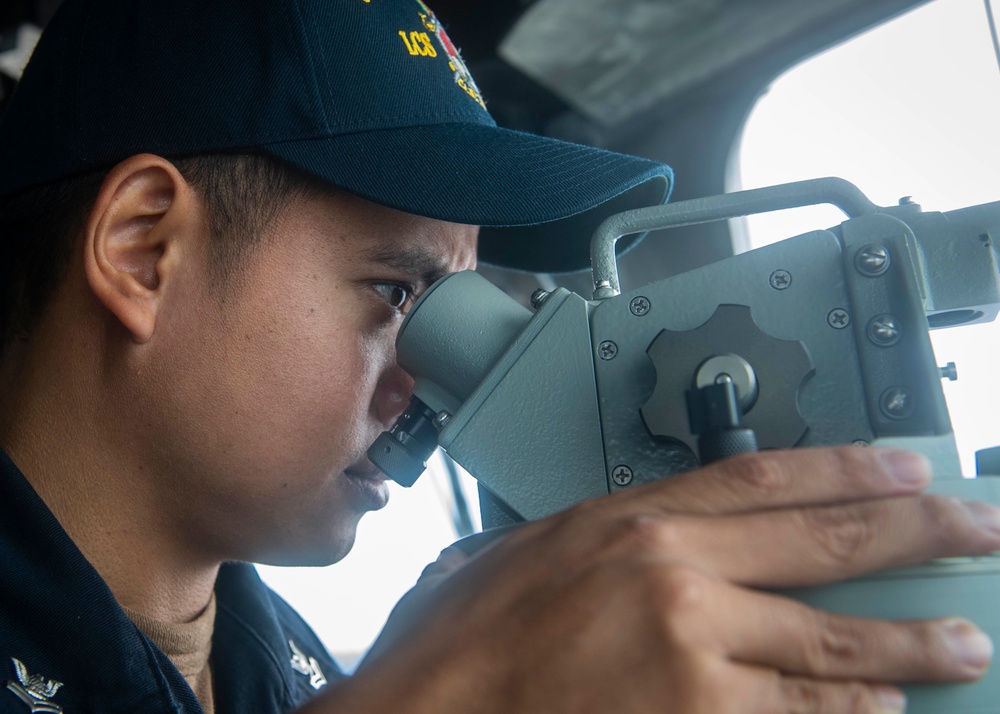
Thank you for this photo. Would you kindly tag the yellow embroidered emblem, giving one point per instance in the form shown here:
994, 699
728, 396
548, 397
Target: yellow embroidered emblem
419, 43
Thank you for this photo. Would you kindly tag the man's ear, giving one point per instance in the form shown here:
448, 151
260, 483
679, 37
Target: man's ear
143, 219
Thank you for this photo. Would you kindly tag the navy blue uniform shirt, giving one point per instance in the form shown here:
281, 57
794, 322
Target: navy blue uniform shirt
60, 624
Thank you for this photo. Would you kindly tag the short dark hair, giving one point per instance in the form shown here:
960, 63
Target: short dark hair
39, 227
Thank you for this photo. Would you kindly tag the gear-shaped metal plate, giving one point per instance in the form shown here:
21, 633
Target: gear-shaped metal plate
781, 367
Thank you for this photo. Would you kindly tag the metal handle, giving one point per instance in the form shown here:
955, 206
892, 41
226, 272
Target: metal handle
836, 191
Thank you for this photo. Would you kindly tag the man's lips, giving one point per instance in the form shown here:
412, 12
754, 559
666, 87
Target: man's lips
364, 468
368, 483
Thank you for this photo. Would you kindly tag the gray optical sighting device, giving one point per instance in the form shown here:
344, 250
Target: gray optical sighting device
820, 339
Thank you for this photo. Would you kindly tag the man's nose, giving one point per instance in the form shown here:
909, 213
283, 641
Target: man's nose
392, 395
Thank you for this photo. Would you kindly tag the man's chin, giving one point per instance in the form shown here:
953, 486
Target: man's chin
312, 554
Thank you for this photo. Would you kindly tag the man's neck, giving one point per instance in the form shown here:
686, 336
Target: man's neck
101, 494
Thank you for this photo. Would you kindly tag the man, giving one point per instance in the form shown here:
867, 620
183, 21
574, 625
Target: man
215, 216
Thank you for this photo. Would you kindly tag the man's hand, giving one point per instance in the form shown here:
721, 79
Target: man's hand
652, 600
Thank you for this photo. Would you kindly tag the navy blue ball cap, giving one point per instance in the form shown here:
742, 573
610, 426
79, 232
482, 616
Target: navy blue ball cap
368, 95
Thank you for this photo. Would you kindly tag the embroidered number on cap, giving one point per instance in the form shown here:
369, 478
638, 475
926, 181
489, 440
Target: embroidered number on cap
418, 43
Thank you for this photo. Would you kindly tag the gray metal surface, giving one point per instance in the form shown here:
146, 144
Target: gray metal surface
835, 191
457, 332
831, 403
969, 238
531, 432
902, 382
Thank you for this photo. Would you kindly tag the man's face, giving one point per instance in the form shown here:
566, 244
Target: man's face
266, 394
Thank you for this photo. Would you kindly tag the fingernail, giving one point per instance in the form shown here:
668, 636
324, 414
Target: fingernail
971, 645
985, 515
452, 557
891, 701
907, 467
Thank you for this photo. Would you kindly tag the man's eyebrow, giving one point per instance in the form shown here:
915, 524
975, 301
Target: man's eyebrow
413, 261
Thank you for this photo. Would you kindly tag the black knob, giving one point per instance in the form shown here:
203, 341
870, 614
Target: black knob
402, 452
714, 414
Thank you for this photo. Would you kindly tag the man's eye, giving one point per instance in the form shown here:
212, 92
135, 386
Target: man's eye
396, 296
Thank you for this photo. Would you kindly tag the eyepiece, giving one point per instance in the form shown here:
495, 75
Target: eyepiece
402, 452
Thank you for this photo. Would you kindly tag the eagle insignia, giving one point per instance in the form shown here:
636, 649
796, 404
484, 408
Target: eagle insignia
307, 666
34, 690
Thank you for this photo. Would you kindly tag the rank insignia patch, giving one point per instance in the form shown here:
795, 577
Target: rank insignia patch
34, 690
308, 666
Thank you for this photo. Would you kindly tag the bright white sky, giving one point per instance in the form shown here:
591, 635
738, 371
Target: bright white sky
911, 108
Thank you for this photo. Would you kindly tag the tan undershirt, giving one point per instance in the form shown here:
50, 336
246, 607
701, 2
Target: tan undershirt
188, 645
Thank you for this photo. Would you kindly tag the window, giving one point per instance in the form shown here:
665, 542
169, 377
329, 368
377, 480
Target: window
908, 108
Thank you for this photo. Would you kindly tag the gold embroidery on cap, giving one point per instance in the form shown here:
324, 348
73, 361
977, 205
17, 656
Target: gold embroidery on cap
419, 44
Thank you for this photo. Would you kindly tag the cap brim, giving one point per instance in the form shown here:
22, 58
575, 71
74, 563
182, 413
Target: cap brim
538, 199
